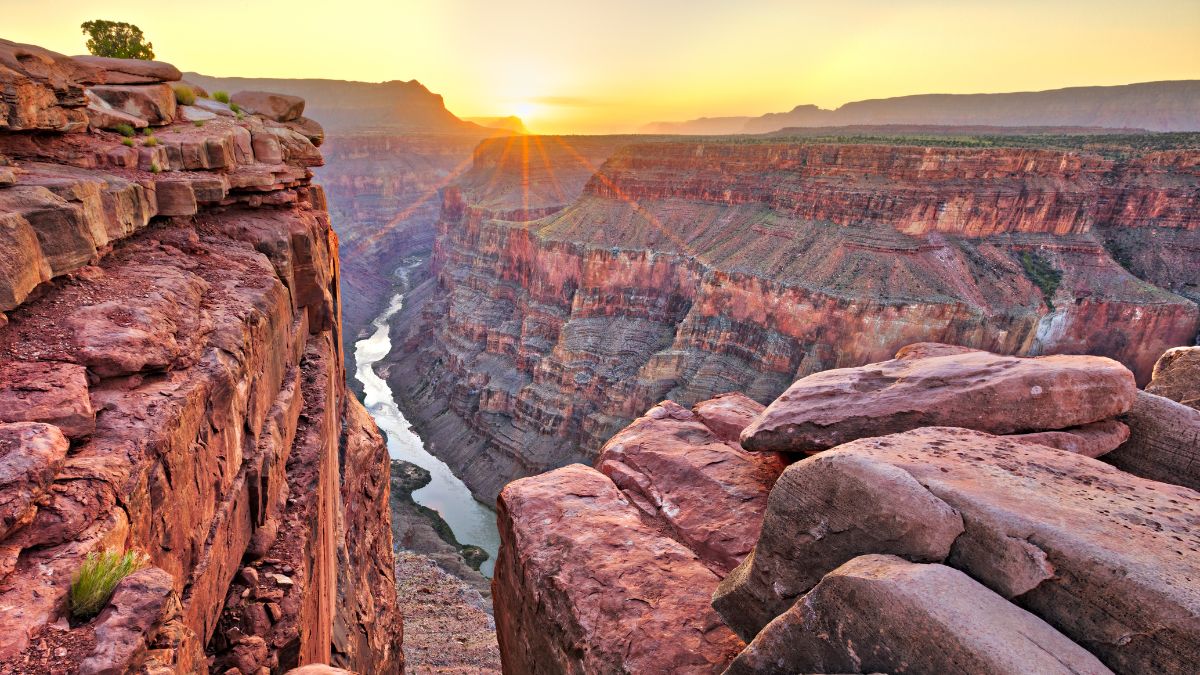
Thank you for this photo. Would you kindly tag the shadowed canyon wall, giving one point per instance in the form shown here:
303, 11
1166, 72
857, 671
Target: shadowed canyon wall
685, 269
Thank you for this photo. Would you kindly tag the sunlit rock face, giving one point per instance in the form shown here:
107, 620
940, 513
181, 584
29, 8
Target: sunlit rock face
685, 269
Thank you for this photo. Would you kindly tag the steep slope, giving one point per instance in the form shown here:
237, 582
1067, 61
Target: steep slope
173, 384
686, 269
1156, 106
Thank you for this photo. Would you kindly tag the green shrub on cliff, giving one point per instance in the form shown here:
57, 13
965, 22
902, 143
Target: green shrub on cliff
93, 584
1043, 274
150, 141
117, 39
125, 130
222, 96
184, 94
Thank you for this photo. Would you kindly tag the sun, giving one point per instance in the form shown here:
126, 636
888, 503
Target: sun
526, 110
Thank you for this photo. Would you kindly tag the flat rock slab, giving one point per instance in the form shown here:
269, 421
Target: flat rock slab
1177, 376
154, 103
728, 414
881, 613
278, 107
1164, 442
31, 455
1092, 440
1107, 558
975, 390
129, 71
583, 584
709, 493
47, 391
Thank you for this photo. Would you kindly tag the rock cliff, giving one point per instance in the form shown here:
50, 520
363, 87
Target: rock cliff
566, 300
170, 339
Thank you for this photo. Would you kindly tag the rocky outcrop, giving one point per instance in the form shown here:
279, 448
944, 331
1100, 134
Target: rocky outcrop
687, 269
935, 549
1177, 376
880, 613
562, 607
172, 310
1164, 442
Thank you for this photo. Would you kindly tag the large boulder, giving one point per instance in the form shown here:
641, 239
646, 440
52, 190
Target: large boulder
278, 107
40, 89
47, 391
1164, 442
1107, 558
881, 613
128, 71
583, 584
30, 456
708, 492
973, 389
728, 414
1177, 376
123, 629
154, 103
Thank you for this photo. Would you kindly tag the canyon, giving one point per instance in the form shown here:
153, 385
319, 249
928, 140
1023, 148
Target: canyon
173, 384
575, 282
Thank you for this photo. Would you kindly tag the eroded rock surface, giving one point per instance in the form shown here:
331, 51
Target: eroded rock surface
1177, 376
1164, 442
881, 613
584, 585
976, 390
1102, 556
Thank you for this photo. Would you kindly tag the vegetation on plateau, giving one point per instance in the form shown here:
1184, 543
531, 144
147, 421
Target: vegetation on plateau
93, 584
1043, 274
184, 94
117, 39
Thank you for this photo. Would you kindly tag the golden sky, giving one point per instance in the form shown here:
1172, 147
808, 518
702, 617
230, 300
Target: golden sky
612, 65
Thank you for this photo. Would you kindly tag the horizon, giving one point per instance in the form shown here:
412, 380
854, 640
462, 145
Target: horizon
583, 69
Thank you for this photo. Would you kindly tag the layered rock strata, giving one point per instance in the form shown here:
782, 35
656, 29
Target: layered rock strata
173, 314
687, 269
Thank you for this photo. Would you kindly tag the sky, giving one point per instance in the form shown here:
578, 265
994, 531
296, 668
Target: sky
612, 65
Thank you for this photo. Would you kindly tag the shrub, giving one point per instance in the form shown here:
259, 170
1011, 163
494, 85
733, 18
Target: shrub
184, 94
128, 142
155, 168
150, 141
235, 107
125, 130
198, 123
117, 39
93, 584
1042, 273
222, 96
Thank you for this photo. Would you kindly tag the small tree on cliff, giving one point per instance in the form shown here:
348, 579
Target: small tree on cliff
117, 39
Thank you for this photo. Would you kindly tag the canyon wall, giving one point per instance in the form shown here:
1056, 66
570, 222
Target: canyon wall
173, 384
686, 269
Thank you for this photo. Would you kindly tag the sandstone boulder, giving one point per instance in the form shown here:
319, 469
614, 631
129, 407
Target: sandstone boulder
310, 129
881, 613
124, 627
726, 415
47, 391
925, 350
30, 456
1107, 558
41, 89
1164, 442
1092, 440
1177, 376
975, 390
215, 107
709, 493
102, 115
583, 584
154, 103
192, 113
278, 107
128, 71
175, 198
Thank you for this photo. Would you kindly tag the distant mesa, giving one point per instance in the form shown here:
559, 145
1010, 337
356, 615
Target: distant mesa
1154, 106
511, 123
345, 106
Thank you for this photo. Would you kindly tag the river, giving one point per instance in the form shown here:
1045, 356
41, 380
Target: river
471, 521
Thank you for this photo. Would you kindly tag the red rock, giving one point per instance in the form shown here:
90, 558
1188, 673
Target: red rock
318, 669
583, 585
1099, 554
47, 391
1164, 442
278, 107
310, 129
175, 197
976, 390
124, 626
925, 350
41, 88
31, 455
102, 115
709, 493
880, 613
1177, 376
129, 71
249, 653
1091, 440
154, 103
726, 415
